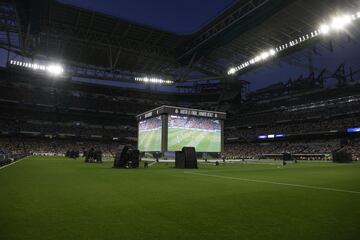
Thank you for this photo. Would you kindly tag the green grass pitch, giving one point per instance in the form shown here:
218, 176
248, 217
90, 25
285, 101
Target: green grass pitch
150, 141
203, 141
57, 198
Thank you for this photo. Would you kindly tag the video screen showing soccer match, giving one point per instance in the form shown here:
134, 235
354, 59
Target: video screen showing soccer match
202, 133
149, 138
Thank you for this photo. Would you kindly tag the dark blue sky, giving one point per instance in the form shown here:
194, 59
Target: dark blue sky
180, 16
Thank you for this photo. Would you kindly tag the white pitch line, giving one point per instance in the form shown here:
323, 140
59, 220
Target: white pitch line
8, 165
277, 183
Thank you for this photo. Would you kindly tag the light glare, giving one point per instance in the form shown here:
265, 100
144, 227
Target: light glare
264, 55
272, 52
340, 22
153, 80
55, 69
232, 71
324, 29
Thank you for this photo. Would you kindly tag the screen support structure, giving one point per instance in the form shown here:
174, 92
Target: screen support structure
222, 135
164, 140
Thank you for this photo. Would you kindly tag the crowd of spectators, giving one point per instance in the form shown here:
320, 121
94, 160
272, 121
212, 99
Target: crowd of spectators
330, 110
72, 128
322, 116
73, 99
288, 116
297, 127
129, 102
305, 99
354, 149
311, 150
53, 147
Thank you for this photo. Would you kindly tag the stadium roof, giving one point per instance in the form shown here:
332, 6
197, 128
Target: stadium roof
180, 17
77, 36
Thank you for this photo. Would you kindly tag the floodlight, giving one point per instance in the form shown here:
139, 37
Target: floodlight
264, 55
340, 22
232, 71
55, 69
324, 29
152, 80
272, 52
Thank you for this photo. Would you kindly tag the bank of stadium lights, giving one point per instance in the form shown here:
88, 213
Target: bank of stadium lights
338, 23
52, 69
153, 80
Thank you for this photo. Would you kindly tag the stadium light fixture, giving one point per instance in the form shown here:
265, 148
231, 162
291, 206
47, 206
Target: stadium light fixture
264, 55
232, 71
338, 23
324, 29
341, 22
153, 80
272, 52
55, 69
52, 69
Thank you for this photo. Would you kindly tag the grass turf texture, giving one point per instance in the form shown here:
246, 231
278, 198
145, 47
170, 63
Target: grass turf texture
203, 141
58, 198
150, 141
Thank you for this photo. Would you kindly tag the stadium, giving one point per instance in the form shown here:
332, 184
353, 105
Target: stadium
232, 119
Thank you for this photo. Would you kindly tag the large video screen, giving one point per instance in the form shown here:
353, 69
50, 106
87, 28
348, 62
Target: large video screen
202, 133
149, 138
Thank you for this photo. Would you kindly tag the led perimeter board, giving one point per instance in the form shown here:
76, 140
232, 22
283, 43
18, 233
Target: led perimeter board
169, 129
